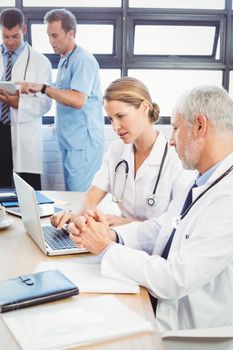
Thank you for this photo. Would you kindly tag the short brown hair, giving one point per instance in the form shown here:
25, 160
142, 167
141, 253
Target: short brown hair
68, 20
11, 17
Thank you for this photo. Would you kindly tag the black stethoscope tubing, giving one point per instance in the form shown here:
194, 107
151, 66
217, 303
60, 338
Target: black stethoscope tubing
151, 199
27, 63
65, 64
181, 217
123, 161
68, 58
28, 59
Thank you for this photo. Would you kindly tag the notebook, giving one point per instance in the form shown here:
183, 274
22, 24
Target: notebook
50, 240
36, 288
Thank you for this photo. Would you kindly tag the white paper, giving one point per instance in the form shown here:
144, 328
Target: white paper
73, 323
88, 277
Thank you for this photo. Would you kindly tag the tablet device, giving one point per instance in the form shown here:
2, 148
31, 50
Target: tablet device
9, 86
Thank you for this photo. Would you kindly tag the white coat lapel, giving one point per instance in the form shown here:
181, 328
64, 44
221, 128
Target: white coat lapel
152, 163
19, 67
128, 155
1, 66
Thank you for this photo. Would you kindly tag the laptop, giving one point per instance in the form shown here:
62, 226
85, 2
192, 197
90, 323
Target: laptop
50, 240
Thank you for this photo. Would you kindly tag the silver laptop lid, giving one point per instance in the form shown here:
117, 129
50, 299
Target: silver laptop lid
29, 211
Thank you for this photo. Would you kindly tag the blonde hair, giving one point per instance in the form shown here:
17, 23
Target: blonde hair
133, 92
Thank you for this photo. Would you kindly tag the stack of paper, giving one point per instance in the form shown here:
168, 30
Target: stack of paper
74, 323
88, 277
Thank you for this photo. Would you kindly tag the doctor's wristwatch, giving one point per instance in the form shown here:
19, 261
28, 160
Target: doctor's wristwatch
44, 87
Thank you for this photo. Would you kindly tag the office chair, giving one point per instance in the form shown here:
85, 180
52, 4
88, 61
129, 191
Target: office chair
220, 338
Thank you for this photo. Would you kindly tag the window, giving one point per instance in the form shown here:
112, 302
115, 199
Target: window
7, 3
174, 40
193, 4
170, 45
71, 3
166, 86
231, 84
89, 36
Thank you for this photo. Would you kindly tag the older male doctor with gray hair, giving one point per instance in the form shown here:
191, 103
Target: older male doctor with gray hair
187, 263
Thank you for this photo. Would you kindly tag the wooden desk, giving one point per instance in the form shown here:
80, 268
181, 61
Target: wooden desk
19, 255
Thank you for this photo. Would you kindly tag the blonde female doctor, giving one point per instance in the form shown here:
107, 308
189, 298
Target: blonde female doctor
140, 170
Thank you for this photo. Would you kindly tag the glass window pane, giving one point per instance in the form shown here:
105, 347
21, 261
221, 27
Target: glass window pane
107, 76
89, 36
174, 40
40, 41
231, 85
72, 3
195, 4
167, 85
6, 3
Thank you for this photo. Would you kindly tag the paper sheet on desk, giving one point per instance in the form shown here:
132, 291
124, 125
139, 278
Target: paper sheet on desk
58, 201
88, 277
74, 322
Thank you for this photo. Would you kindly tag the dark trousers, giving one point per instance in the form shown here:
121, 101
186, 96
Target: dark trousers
32, 179
6, 164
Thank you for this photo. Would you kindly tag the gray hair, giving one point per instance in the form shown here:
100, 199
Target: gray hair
68, 20
212, 101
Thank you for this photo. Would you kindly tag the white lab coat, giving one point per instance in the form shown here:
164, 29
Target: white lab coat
195, 284
26, 128
134, 202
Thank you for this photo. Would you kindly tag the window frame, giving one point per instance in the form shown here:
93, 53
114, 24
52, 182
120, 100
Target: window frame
125, 18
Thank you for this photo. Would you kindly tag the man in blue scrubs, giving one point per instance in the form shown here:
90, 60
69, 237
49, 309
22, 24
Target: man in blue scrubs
79, 112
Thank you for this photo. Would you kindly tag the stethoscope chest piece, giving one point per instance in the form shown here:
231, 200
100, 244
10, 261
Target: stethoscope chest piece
151, 200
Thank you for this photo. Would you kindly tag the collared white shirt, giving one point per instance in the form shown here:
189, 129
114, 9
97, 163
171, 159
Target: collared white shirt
137, 189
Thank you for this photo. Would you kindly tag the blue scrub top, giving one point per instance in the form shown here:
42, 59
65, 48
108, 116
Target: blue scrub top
76, 128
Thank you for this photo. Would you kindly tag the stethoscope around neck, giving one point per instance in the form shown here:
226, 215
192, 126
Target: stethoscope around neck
65, 64
151, 200
27, 62
176, 220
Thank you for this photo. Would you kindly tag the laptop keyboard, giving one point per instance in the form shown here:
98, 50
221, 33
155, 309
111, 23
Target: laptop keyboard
57, 239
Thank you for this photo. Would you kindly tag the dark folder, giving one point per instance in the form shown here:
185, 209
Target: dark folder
37, 288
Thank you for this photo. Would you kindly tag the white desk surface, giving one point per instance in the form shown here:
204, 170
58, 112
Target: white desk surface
19, 255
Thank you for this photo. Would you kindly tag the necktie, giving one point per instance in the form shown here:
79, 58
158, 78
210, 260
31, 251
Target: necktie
187, 203
5, 115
